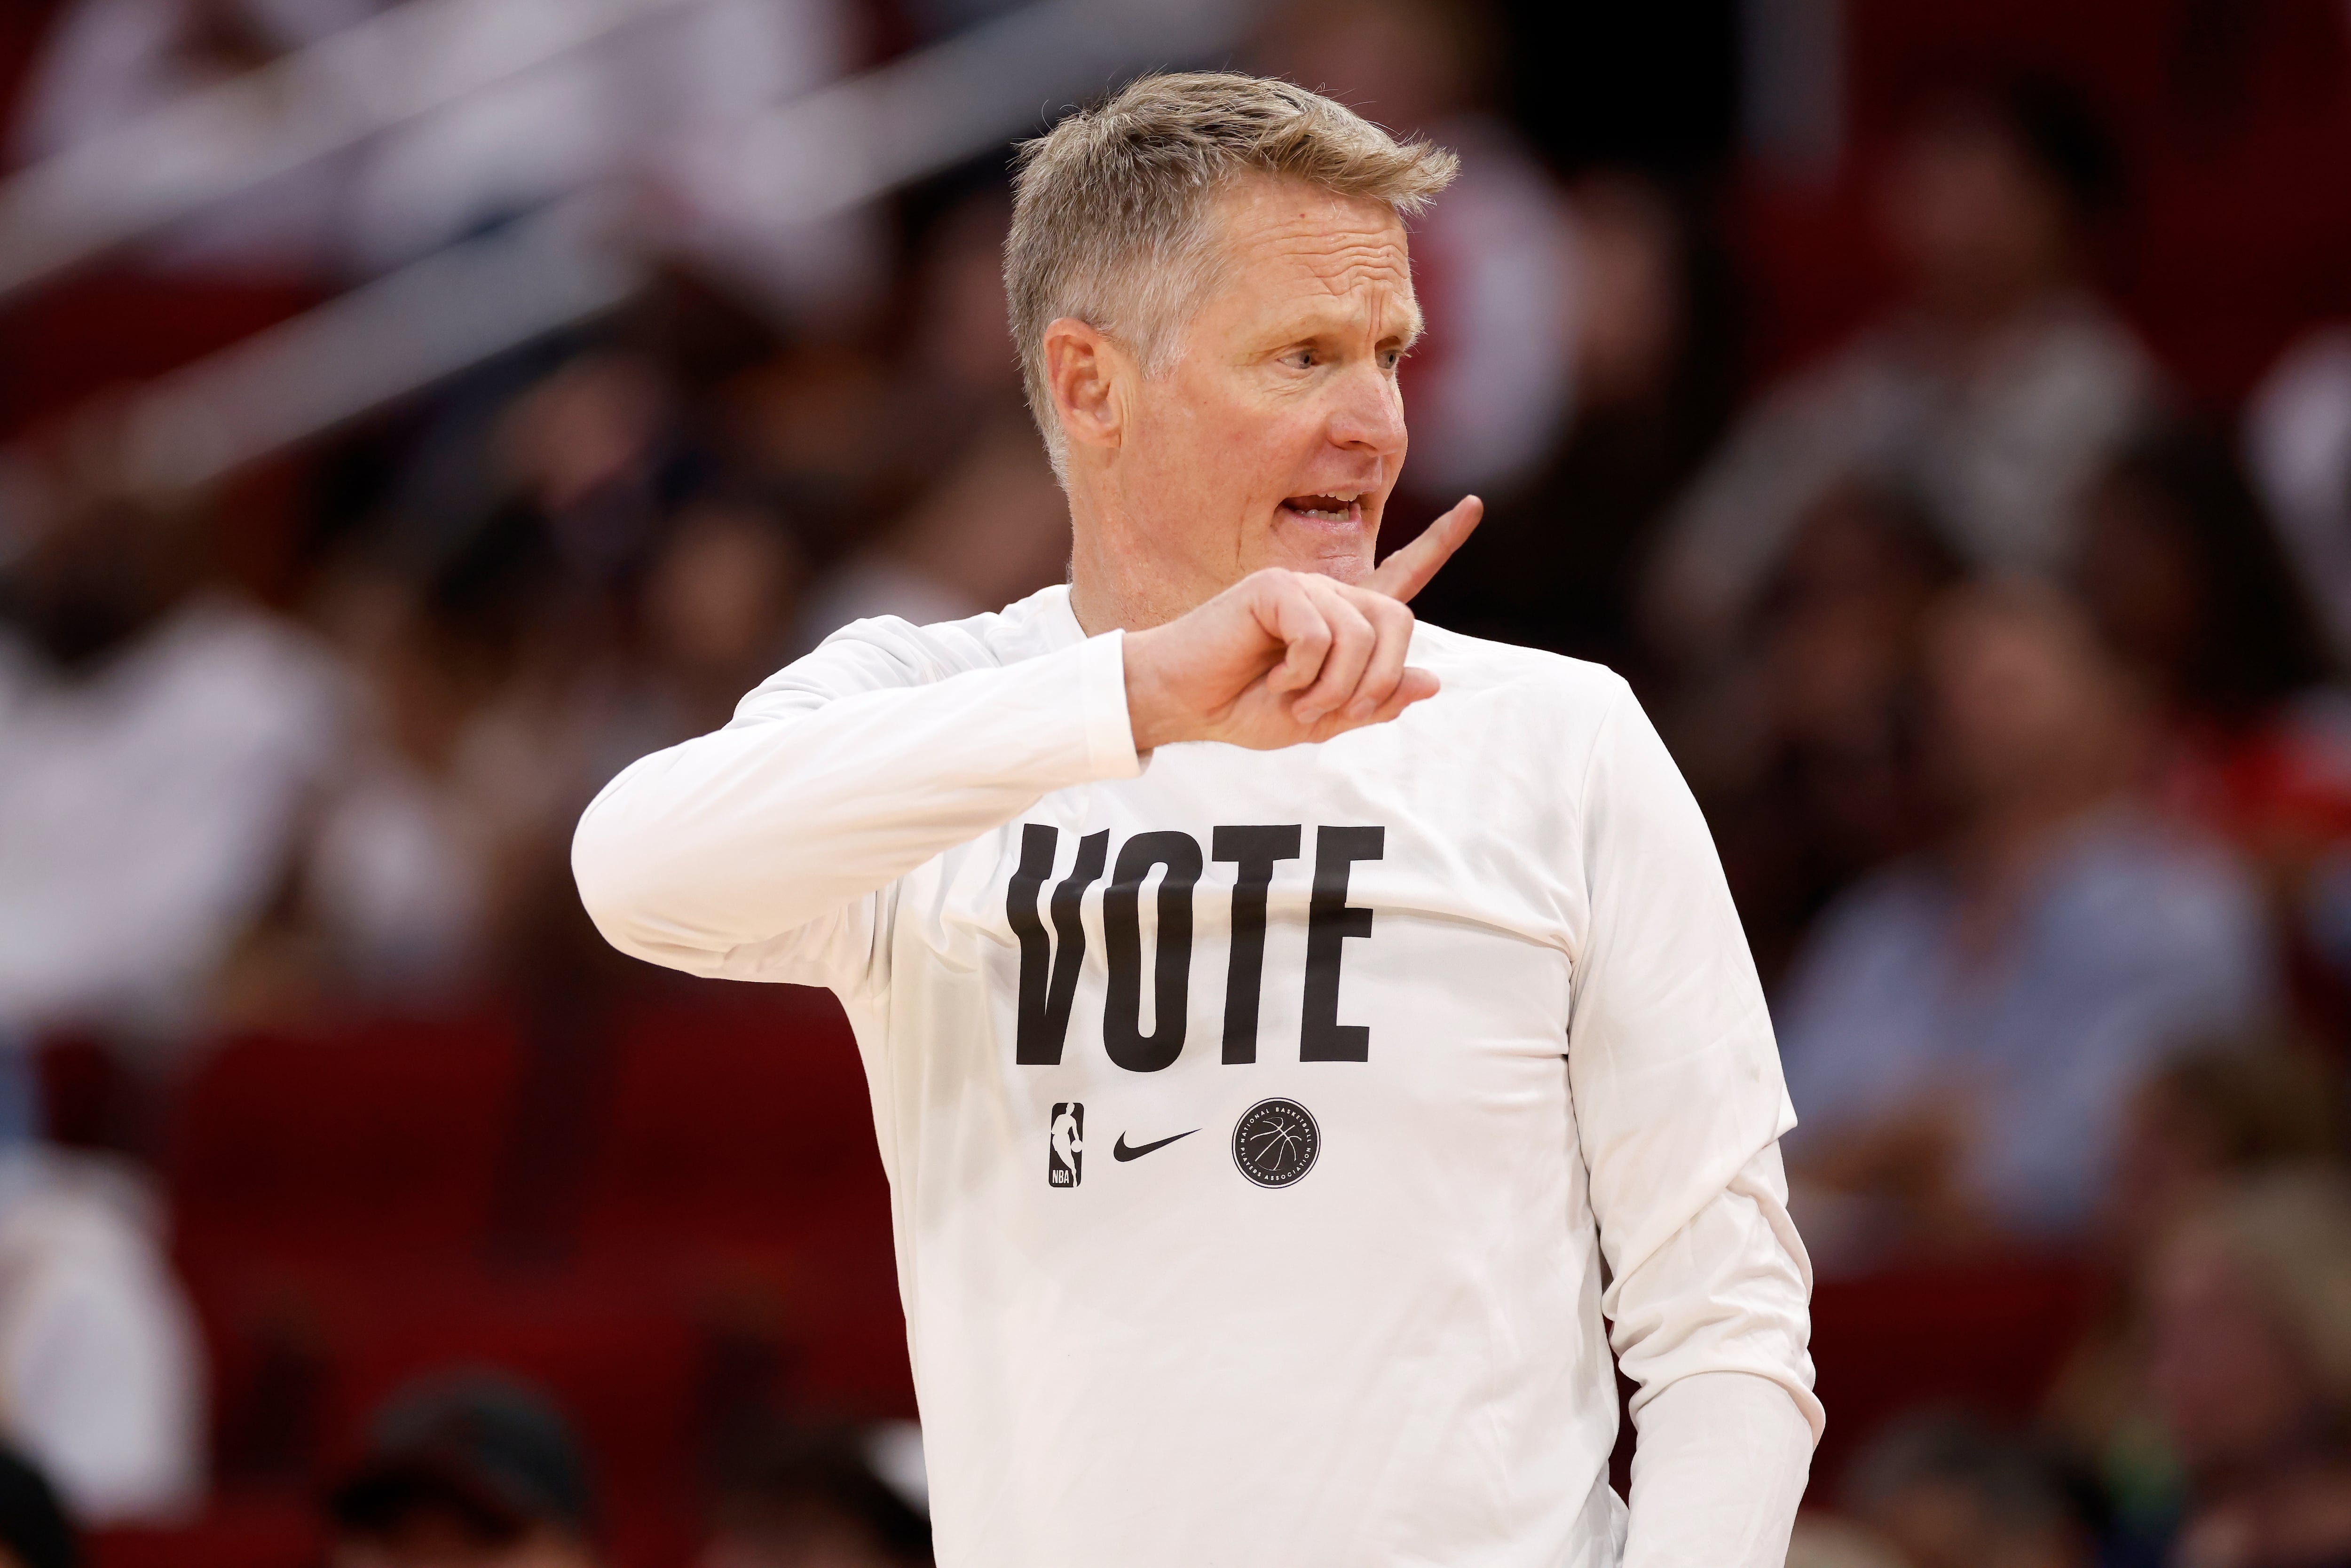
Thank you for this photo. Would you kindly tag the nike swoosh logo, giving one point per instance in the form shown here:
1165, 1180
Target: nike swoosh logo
1121, 1152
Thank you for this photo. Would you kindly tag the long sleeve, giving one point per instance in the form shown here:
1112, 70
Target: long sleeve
759, 852
1718, 1473
1679, 1106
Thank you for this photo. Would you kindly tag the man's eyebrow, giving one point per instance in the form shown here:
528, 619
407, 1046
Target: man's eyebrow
1320, 324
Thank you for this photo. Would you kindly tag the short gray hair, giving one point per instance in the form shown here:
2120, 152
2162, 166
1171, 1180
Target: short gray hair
1109, 211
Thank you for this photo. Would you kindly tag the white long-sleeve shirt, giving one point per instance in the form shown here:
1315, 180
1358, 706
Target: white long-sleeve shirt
1271, 1134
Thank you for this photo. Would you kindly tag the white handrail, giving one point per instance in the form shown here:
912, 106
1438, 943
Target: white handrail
221, 141
804, 160
366, 348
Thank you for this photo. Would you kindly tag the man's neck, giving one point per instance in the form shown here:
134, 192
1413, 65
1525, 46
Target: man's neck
1113, 587
1103, 603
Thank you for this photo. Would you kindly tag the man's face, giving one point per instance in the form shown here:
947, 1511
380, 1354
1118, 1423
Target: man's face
1276, 437
435, 1537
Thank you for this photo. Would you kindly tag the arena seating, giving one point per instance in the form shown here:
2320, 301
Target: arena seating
348, 1218
275, 1532
2226, 124
733, 1118
1987, 1336
727, 1254
373, 1150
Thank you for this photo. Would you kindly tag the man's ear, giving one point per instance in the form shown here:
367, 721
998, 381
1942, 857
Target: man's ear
1088, 375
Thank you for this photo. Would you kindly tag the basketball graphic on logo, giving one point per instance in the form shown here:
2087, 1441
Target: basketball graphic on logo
1275, 1141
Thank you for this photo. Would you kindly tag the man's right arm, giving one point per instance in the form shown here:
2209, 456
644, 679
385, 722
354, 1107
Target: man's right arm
753, 851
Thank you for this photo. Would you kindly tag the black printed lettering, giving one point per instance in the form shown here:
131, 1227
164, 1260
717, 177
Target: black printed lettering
1049, 978
1037, 843
1123, 1034
1329, 920
1255, 851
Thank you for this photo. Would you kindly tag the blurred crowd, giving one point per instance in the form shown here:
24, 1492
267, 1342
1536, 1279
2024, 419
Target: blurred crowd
2011, 673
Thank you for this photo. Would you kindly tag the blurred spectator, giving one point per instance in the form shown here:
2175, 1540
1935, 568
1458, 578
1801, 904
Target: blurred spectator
1575, 368
816, 427
1962, 1030
662, 104
2215, 1115
827, 1497
34, 1530
391, 897
2297, 438
470, 1469
1949, 1491
2208, 1120
512, 664
718, 615
958, 372
562, 579
1555, 564
1494, 264
1993, 393
160, 741
996, 527
1825, 1541
2189, 587
592, 455
109, 63
986, 523
2179, 571
395, 879
1804, 751
2251, 1366
101, 1368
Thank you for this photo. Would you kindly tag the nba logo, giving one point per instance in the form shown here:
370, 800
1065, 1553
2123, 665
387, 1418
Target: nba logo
1065, 1145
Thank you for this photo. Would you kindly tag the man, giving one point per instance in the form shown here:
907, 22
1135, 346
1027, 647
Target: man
1966, 1025
102, 1361
823, 1497
34, 1531
1385, 1016
1993, 393
467, 1468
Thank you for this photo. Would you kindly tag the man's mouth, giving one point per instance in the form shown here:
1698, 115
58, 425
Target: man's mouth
1344, 506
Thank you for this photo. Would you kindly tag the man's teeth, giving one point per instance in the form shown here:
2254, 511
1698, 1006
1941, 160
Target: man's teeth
1336, 508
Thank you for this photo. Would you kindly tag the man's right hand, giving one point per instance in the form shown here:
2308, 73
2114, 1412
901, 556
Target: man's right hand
1283, 658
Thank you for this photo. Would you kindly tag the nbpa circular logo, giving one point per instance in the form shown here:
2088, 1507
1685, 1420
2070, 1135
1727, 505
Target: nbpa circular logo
1275, 1141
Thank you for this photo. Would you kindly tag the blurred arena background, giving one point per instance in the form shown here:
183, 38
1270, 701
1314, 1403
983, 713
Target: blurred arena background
411, 411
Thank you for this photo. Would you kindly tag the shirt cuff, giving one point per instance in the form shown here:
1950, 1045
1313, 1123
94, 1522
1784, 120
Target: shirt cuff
1102, 687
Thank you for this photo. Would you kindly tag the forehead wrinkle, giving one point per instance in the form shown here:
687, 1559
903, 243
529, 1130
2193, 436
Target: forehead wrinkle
1355, 268
1339, 238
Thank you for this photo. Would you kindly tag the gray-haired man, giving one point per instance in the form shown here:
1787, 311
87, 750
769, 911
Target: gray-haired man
1394, 1012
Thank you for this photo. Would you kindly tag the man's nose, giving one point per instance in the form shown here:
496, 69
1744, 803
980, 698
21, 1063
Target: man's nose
1367, 413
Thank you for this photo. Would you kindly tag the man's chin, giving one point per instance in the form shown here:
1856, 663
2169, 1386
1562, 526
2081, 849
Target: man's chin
1340, 550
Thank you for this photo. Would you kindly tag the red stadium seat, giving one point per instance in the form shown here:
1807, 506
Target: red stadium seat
116, 326
737, 1119
1988, 1337
313, 1180
247, 1534
739, 1158
622, 1359
380, 1148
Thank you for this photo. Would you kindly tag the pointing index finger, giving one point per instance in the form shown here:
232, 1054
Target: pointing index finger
1407, 572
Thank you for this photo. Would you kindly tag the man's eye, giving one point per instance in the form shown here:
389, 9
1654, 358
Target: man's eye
1299, 358
1391, 357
